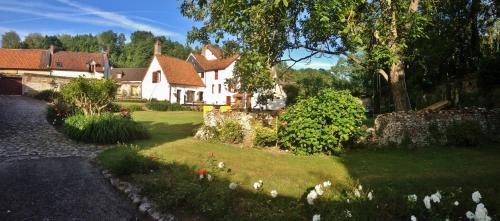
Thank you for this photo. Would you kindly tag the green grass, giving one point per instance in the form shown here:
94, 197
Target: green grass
398, 171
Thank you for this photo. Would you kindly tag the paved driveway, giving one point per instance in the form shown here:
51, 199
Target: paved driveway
45, 176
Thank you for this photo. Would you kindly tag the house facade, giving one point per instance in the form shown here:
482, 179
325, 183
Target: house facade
214, 70
129, 81
171, 79
27, 71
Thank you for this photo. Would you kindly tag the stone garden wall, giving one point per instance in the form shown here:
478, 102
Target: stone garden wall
421, 128
247, 121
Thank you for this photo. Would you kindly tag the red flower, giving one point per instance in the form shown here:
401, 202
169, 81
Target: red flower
122, 109
202, 171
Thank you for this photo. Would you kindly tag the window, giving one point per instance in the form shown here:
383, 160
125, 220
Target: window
190, 96
200, 96
202, 74
156, 76
213, 86
220, 88
58, 64
216, 74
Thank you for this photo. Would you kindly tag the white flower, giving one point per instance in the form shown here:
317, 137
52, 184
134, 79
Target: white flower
412, 198
220, 165
318, 189
348, 201
348, 213
370, 195
427, 202
209, 177
327, 184
316, 217
469, 215
202, 176
257, 185
413, 218
481, 213
274, 193
436, 197
456, 203
357, 193
476, 197
360, 187
311, 197
233, 186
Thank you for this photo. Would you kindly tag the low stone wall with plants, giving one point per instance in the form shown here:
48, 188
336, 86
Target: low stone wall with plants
250, 129
464, 127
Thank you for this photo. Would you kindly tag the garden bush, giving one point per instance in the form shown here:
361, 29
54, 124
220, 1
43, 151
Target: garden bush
264, 137
231, 132
105, 128
47, 95
321, 124
135, 107
165, 106
91, 96
58, 111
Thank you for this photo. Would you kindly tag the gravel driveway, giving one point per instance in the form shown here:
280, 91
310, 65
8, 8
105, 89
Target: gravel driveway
45, 176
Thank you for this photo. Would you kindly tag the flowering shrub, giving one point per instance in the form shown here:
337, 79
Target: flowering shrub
231, 132
321, 124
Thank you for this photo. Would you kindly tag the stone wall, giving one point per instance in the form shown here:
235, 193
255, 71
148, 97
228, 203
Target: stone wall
247, 121
421, 128
32, 84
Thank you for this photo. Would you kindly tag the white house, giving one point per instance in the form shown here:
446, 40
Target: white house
76, 64
214, 70
172, 79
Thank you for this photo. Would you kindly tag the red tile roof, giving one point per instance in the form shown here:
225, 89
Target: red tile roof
77, 61
179, 71
27, 59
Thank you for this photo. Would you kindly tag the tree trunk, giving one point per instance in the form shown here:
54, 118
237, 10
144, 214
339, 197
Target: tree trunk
398, 87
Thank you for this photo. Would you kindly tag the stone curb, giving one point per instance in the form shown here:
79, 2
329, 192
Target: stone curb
142, 203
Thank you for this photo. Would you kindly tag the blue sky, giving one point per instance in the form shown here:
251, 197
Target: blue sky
93, 16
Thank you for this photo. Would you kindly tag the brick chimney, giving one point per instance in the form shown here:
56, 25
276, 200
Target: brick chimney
51, 55
157, 48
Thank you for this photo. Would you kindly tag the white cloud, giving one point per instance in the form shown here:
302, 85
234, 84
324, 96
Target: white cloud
312, 64
75, 12
119, 20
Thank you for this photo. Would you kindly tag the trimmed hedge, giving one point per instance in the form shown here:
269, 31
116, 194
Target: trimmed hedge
105, 128
165, 106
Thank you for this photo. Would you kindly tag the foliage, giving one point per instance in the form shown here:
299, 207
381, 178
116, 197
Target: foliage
11, 39
253, 72
34, 41
58, 111
113, 107
321, 124
92, 96
47, 95
105, 128
231, 132
464, 133
265, 137
165, 106
131, 162
135, 107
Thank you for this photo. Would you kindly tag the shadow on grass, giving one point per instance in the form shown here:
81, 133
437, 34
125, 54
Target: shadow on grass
165, 133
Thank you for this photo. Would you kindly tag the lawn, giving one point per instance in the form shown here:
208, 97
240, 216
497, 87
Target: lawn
396, 172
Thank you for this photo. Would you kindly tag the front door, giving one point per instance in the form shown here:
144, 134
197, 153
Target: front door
228, 100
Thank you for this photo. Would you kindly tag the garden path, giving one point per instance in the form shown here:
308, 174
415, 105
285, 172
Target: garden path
45, 176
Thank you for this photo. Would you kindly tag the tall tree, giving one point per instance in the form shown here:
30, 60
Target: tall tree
11, 39
34, 41
381, 28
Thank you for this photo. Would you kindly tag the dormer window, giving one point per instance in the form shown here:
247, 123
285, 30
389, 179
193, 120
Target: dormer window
92, 66
58, 64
